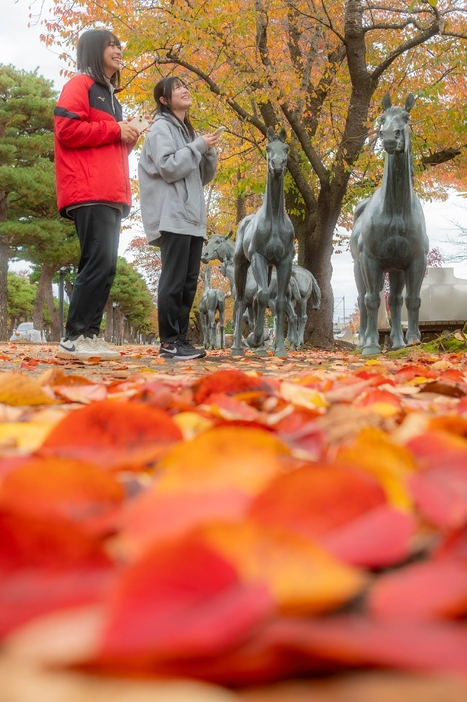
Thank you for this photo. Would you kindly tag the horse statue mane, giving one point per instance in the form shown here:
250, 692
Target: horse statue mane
389, 236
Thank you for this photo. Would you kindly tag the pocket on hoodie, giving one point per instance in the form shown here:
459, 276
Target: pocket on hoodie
181, 190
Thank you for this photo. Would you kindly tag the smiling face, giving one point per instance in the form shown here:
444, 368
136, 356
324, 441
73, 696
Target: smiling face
180, 100
112, 59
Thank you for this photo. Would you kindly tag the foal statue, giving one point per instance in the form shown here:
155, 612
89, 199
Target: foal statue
264, 240
389, 236
212, 301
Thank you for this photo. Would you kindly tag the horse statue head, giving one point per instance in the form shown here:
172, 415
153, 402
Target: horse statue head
218, 248
394, 129
277, 152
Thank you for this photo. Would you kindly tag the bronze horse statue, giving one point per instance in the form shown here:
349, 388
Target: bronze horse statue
265, 239
303, 285
389, 236
212, 302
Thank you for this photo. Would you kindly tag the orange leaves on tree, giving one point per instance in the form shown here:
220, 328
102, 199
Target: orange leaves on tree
114, 435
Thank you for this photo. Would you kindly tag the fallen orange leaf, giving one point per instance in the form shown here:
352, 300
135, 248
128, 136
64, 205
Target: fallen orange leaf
236, 457
18, 389
114, 435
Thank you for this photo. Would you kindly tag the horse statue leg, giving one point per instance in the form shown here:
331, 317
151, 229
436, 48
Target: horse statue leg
203, 317
241, 271
212, 326
284, 270
360, 283
396, 287
221, 308
373, 276
413, 282
260, 268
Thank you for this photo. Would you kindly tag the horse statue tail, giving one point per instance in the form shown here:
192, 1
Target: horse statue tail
315, 293
294, 289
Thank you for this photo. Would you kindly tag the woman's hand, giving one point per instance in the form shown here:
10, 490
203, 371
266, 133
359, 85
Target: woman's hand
128, 134
212, 139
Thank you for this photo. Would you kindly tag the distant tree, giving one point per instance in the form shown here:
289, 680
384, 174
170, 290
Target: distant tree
30, 226
147, 260
131, 294
20, 299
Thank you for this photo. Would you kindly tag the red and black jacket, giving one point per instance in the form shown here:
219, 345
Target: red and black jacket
91, 161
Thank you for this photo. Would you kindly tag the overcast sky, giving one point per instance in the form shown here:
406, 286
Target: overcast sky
20, 46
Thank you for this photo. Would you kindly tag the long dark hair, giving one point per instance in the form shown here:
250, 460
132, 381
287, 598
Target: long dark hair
164, 88
90, 55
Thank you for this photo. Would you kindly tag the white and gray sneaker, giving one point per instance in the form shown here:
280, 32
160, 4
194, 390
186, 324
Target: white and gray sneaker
80, 349
104, 350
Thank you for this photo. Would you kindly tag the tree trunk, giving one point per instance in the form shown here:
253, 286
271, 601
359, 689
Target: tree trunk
108, 320
4, 250
55, 317
45, 284
315, 252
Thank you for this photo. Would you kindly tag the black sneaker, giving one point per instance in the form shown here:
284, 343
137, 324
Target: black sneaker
179, 351
192, 349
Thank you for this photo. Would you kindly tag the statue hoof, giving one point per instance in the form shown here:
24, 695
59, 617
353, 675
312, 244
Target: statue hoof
371, 350
236, 352
251, 341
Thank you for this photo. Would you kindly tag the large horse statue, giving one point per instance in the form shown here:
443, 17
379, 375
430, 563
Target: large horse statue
265, 239
212, 302
389, 236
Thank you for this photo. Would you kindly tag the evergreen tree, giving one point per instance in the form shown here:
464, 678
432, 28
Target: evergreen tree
134, 300
30, 226
21, 296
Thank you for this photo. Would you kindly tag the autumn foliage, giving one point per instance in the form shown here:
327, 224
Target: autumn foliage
239, 527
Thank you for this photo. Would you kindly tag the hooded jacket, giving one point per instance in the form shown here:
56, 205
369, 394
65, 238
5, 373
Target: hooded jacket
91, 161
172, 173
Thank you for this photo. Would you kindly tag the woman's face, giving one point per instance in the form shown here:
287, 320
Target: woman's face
180, 100
112, 59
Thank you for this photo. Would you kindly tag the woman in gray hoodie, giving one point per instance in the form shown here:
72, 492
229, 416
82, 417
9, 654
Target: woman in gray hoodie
175, 165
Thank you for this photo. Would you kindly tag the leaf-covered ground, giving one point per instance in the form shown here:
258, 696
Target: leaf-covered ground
247, 529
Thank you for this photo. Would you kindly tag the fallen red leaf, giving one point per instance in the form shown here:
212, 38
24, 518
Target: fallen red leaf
181, 600
228, 381
378, 538
315, 499
421, 591
114, 435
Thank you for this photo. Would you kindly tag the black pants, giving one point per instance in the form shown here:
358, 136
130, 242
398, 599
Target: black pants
98, 229
181, 259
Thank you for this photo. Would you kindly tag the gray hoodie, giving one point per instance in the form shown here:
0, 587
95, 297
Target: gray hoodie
172, 173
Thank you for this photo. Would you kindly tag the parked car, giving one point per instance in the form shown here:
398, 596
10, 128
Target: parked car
26, 331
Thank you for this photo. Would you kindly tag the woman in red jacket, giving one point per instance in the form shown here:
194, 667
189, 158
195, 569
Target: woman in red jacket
92, 143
